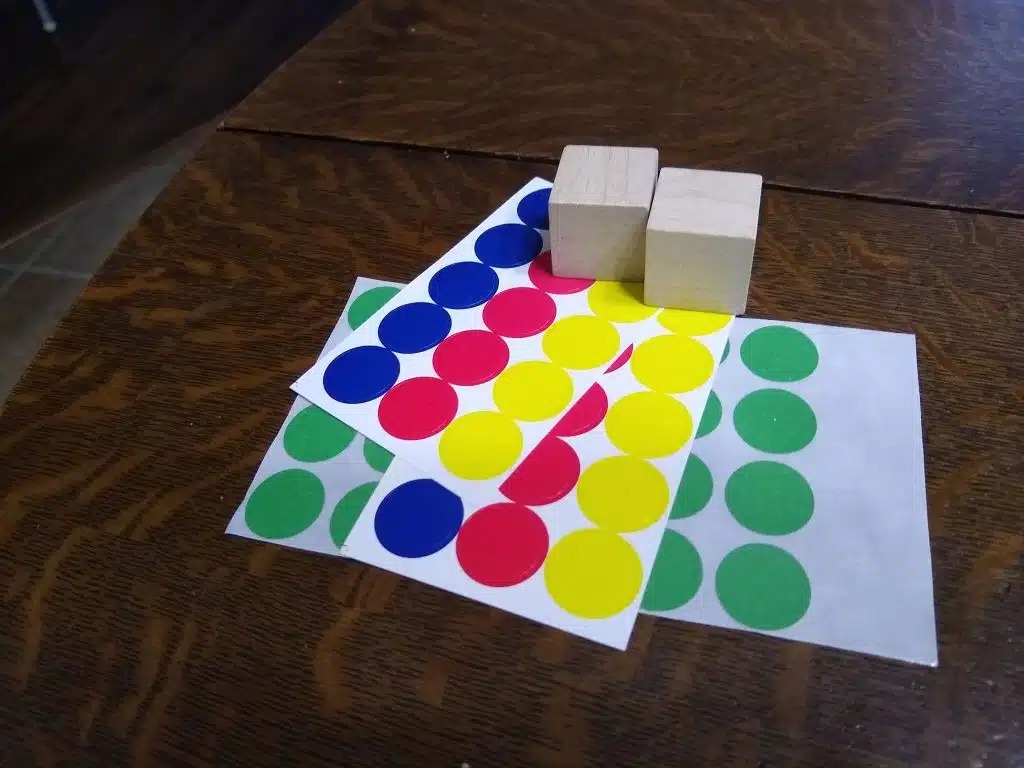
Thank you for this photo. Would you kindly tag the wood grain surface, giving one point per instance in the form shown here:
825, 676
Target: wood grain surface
134, 631
914, 100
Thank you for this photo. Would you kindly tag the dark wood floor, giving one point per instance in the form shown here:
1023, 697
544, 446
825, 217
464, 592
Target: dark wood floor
120, 79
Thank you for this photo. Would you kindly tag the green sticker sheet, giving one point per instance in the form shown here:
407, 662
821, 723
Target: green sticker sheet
318, 473
802, 509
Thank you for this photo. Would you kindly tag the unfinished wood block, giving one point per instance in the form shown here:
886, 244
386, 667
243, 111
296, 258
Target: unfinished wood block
700, 240
598, 211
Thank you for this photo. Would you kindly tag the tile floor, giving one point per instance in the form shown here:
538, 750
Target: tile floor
43, 272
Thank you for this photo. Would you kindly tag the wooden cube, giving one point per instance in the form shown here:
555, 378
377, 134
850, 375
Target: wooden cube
700, 240
598, 211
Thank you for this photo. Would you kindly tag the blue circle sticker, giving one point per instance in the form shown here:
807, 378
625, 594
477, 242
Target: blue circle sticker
463, 285
533, 209
508, 245
361, 374
414, 327
418, 518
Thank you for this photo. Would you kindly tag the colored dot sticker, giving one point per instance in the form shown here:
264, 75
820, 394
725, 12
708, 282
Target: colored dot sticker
648, 424
502, 545
471, 357
480, 445
581, 342
763, 587
593, 574
619, 302
533, 209
463, 285
519, 312
534, 390
622, 494
725, 352
366, 304
672, 364
586, 414
414, 327
769, 498
361, 374
546, 475
694, 490
376, 456
418, 408
508, 245
315, 435
284, 504
779, 353
347, 511
689, 323
541, 276
676, 575
775, 421
417, 518
711, 417
621, 360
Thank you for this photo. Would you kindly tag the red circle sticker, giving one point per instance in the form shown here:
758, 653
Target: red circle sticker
546, 475
502, 545
417, 408
585, 414
541, 276
519, 312
472, 357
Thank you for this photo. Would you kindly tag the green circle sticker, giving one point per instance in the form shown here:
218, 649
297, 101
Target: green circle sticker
347, 512
769, 498
711, 416
284, 504
775, 421
694, 489
315, 435
377, 457
676, 575
779, 353
763, 587
725, 352
366, 304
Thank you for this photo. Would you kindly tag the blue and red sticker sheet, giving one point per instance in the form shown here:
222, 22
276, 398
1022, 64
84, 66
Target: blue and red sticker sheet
476, 359
473, 362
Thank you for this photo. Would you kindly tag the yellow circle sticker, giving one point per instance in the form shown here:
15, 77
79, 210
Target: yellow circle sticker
532, 391
619, 302
581, 342
480, 445
672, 364
622, 493
593, 574
690, 323
648, 424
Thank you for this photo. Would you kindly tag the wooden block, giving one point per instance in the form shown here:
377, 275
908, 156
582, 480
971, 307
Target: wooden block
700, 240
598, 211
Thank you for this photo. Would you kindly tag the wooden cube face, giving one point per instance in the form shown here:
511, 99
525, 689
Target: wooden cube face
700, 240
598, 210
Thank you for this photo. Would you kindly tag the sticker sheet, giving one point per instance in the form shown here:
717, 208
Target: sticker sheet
570, 536
318, 472
802, 511
476, 359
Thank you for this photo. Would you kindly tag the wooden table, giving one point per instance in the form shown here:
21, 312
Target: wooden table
871, 97
135, 631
